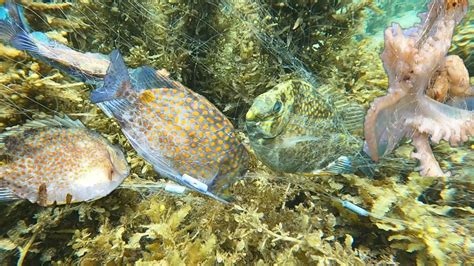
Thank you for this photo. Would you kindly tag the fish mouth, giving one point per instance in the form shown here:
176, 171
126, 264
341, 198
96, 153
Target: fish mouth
119, 166
255, 131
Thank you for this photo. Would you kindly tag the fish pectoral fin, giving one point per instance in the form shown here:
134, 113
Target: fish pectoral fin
115, 108
42, 195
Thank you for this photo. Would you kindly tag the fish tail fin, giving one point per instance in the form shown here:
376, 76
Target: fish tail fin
3, 13
15, 13
116, 81
14, 29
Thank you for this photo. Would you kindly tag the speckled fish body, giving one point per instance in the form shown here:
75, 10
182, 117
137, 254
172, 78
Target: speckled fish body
295, 128
178, 131
60, 164
14, 30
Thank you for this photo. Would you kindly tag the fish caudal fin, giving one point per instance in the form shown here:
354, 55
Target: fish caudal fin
116, 81
15, 13
14, 30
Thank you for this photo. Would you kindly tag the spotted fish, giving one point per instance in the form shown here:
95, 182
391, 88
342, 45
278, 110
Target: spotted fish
183, 135
295, 127
59, 161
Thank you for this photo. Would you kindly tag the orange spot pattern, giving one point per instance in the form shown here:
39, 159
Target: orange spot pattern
56, 157
190, 133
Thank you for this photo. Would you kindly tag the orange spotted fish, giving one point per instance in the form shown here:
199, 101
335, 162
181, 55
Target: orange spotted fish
59, 161
178, 131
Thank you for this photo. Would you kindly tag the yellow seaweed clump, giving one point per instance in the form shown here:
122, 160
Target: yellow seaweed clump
437, 233
190, 230
27, 87
462, 43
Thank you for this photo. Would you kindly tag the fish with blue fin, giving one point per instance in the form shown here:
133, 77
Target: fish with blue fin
183, 135
14, 30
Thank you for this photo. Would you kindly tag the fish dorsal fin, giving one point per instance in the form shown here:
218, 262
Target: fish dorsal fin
54, 121
148, 78
117, 71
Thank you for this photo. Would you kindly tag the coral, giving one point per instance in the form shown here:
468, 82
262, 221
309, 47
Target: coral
411, 58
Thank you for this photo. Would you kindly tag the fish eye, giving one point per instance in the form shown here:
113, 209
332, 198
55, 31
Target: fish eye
277, 107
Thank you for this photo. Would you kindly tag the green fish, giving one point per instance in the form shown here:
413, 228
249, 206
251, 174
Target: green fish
295, 127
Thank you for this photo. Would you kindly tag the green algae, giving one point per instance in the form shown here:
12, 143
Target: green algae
277, 218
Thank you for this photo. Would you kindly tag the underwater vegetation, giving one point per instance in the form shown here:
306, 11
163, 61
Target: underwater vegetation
231, 52
462, 41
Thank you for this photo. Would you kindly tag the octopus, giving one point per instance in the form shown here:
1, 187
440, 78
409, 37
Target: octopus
429, 96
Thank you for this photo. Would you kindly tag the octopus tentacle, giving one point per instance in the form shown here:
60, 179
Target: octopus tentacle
442, 122
380, 125
428, 164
